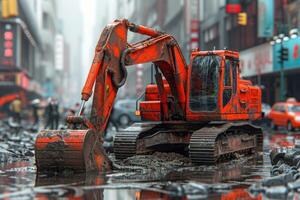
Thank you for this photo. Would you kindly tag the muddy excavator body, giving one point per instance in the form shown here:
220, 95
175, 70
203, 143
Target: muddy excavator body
200, 110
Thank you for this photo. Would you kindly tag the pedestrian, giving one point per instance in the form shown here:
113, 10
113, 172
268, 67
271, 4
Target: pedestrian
55, 109
16, 108
52, 114
48, 114
35, 111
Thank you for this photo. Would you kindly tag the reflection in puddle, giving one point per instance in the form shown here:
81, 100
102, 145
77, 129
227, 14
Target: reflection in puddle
186, 182
284, 139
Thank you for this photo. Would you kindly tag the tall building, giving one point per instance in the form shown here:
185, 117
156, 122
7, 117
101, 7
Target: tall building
20, 45
47, 19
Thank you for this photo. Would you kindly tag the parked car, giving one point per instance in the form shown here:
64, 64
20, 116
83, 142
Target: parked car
123, 113
286, 114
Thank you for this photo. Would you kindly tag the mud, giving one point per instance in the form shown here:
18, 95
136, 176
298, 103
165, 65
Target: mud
158, 160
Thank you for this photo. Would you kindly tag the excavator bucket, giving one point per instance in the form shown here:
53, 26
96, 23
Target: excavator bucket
79, 150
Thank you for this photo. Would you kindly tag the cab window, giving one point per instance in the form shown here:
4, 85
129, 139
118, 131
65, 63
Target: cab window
204, 83
227, 92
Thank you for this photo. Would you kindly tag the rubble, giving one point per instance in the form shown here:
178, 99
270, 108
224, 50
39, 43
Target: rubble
16, 142
279, 180
285, 174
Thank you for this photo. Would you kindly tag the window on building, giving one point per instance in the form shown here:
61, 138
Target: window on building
46, 21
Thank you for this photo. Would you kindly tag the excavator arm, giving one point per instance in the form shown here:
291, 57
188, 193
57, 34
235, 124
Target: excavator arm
112, 55
80, 146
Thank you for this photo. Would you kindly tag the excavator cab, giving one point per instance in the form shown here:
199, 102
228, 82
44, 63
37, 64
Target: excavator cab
215, 88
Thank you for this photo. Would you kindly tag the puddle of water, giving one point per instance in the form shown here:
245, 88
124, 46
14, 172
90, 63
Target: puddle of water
20, 181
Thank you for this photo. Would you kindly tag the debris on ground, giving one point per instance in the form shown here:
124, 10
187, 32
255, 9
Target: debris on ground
285, 174
16, 143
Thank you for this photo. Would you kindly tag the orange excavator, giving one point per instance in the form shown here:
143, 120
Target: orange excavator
200, 110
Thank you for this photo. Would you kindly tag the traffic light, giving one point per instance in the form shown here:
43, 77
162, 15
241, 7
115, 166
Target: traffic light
9, 8
242, 19
283, 55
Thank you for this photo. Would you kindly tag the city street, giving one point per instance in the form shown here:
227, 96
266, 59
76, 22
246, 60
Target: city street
157, 178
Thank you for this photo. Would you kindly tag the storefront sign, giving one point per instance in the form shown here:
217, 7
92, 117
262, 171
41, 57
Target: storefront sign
293, 61
8, 35
15, 78
265, 18
257, 60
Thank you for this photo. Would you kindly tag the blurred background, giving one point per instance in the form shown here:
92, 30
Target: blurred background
47, 46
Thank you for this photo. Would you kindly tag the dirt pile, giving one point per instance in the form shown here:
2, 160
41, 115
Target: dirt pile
158, 160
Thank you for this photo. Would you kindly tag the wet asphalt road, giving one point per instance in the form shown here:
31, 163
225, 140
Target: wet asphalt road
18, 179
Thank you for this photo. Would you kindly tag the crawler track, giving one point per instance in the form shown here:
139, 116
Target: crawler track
213, 143
125, 144
210, 144
125, 140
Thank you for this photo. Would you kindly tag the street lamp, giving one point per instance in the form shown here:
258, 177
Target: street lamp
283, 56
293, 33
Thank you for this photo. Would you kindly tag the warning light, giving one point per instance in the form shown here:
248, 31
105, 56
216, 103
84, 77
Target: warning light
137, 113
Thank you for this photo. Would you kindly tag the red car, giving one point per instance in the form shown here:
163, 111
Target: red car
285, 114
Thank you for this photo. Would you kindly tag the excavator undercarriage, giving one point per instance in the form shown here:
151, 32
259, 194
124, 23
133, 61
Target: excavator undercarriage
206, 143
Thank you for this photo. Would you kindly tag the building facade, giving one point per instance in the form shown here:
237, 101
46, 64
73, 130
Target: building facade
259, 59
20, 45
47, 21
